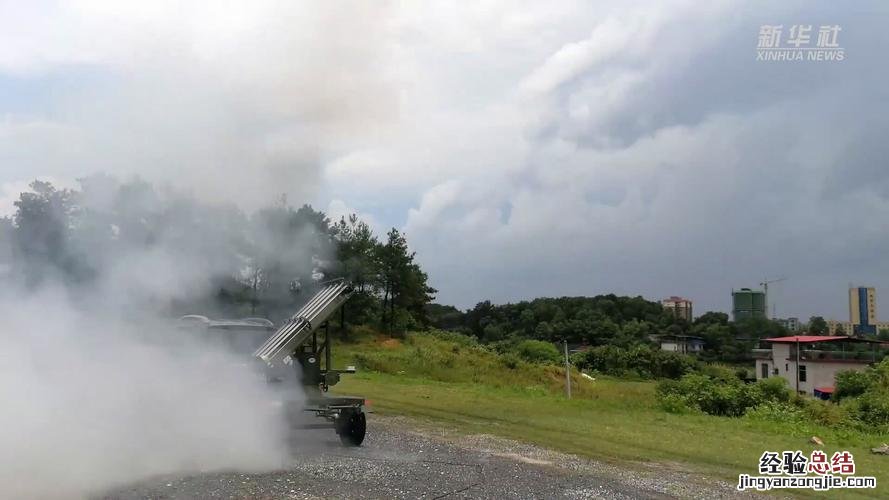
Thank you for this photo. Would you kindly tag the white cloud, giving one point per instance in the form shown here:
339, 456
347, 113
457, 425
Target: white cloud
339, 209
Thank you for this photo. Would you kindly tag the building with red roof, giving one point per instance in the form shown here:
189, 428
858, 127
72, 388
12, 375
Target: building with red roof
809, 363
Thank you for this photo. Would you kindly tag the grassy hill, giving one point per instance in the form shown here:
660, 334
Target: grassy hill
451, 379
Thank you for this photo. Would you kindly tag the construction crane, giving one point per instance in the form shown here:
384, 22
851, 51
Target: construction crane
765, 287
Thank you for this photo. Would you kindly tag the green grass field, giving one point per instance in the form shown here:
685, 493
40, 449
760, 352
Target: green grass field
617, 421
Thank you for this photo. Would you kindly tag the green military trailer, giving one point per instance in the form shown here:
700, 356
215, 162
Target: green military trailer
295, 347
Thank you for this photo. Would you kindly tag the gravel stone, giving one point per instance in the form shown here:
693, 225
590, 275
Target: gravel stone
406, 459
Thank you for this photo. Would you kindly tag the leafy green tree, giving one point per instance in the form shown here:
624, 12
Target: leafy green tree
712, 317
265, 264
818, 326
42, 221
602, 331
632, 332
355, 252
544, 331
493, 333
759, 328
444, 317
357, 262
528, 321
403, 283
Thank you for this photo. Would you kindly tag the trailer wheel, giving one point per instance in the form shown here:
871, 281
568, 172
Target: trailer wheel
351, 427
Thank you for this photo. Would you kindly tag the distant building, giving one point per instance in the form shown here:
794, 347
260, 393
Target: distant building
835, 327
791, 324
863, 310
809, 363
747, 303
686, 344
679, 307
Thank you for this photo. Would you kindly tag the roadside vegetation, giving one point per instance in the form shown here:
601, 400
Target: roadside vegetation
860, 404
456, 380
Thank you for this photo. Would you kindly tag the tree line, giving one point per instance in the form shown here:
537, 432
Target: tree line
185, 255
613, 320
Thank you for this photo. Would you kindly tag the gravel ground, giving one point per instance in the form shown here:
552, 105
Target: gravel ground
403, 458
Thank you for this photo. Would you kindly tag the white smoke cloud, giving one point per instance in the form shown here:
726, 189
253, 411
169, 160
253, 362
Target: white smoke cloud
236, 102
231, 103
94, 400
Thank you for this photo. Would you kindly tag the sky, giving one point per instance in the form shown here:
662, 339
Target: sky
526, 148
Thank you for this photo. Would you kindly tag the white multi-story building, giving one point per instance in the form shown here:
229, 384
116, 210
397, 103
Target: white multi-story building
679, 307
792, 324
809, 363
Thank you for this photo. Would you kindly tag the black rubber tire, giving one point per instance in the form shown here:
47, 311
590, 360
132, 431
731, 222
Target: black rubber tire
352, 427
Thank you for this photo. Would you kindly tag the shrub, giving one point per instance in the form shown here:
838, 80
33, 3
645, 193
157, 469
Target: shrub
674, 403
850, 384
510, 360
667, 387
456, 338
641, 360
720, 397
776, 411
772, 389
873, 408
826, 413
720, 372
538, 351
672, 364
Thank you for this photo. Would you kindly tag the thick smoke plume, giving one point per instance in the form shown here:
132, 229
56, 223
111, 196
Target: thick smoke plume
93, 400
222, 110
100, 386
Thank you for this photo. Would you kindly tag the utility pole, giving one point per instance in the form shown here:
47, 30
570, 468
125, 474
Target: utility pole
765, 289
567, 370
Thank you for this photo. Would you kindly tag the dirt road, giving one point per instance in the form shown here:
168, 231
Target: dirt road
406, 459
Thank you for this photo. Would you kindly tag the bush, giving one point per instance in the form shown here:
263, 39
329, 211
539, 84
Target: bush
716, 390
672, 364
538, 351
720, 397
873, 408
850, 384
777, 412
456, 338
641, 360
510, 360
720, 372
826, 413
607, 359
674, 403
772, 389
864, 396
